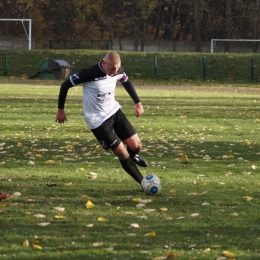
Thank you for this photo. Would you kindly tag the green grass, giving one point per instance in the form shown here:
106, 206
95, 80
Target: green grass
51, 165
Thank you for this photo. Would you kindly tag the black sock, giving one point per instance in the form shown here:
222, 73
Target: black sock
130, 167
131, 153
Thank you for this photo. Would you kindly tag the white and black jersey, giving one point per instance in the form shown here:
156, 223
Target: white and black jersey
98, 93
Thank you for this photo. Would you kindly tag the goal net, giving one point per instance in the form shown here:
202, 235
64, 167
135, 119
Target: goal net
232, 45
13, 43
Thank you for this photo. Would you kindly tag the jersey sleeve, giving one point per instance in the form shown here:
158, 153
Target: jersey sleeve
129, 88
63, 93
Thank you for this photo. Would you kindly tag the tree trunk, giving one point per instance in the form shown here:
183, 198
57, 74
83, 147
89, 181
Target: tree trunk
256, 25
197, 26
228, 27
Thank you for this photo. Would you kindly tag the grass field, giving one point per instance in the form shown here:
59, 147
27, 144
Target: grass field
209, 205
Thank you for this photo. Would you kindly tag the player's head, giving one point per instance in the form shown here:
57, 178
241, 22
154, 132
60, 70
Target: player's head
111, 63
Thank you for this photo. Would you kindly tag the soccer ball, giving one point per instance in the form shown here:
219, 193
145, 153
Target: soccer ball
151, 184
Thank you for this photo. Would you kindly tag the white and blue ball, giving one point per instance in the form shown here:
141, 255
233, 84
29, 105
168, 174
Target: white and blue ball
151, 184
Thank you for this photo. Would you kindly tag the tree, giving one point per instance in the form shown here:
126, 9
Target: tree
228, 26
197, 26
256, 25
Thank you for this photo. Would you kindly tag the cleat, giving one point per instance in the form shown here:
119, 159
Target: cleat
139, 160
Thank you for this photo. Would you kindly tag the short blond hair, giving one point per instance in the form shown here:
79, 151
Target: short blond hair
113, 57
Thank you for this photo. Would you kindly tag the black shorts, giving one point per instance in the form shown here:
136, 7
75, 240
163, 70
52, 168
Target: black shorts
115, 129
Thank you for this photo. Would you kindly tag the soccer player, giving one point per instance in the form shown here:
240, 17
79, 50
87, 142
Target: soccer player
103, 113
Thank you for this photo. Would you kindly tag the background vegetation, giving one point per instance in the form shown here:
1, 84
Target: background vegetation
142, 20
170, 68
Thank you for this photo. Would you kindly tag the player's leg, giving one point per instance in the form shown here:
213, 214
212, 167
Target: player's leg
133, 147
128, 135
127, 163
108, 139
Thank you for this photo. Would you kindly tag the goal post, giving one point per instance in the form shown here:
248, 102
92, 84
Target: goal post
28, 33
213, 42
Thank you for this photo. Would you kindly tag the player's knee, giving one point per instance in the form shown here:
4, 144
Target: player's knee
121, 152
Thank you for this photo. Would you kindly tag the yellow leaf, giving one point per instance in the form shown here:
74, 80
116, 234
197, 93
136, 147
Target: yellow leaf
173, 191
184, 157
228, 254
26, 243
102, 219
234, 214
59, 217
68, 184
163, 209
37, 247
50, 161
153, 234
231, 156
137, 199
247, 198
38, 155
90, 205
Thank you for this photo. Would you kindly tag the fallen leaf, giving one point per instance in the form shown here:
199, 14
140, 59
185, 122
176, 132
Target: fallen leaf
17, 193
228, 254
159, 258
59, 217
98, 244
90, 225
26, 243
137, 199
37, 247
102, 219
89, 204
149, 210
59, 208
43, 224
163, 209
234, 214
135, 225
40, 216
194, 215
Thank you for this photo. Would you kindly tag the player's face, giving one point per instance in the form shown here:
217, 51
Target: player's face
110, 67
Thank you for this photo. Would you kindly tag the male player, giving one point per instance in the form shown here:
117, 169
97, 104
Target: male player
102, 112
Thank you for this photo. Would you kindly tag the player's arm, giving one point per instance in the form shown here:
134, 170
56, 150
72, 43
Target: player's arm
139, 110
61, 116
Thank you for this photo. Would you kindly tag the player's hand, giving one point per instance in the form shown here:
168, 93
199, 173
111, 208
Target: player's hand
139, 110
61, 116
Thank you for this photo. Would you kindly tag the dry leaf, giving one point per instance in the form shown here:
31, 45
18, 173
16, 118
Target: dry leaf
159, 258
26, 243
102, 219
140, 205
59, 217
137, 199
89, 204
37, 247
59, 208
43, 224
234, 214
40, 216
194, 215
163, 209
17, 194
98, 244
90, 225
149, 210
135, 225
228, 254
